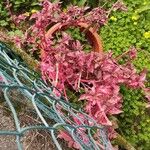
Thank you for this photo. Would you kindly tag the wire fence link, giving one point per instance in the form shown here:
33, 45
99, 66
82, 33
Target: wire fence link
20, 85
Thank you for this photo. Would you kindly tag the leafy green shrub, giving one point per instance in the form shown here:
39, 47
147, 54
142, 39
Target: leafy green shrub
18, 7
123, 30
4, 15
134, 122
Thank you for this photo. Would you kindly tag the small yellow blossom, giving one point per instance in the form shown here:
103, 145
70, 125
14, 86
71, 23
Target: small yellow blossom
147, 34
64, 10
27, 14
148, 120
135, 17
113, 18
135, 23
34, 11
145, 3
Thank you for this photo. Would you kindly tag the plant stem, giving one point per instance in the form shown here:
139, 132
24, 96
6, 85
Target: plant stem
121, 141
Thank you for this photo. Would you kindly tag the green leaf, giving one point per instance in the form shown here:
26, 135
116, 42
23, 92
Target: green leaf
142, 9
3, 23
34, 4
18, 32
82, 2
17, 2
11, 33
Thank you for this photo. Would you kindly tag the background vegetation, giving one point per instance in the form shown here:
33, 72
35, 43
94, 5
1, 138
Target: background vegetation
123, 30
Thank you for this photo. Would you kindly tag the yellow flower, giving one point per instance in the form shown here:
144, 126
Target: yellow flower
34, 11
147, 34
135, 23
64, 10
145, 2
27, 14
135, 17
113, 18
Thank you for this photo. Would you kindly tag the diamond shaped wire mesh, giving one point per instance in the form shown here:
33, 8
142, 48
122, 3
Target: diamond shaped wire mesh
24, 87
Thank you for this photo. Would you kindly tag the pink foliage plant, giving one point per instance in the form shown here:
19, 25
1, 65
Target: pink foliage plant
66, 65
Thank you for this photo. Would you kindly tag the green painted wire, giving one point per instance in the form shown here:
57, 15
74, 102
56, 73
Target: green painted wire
14, 74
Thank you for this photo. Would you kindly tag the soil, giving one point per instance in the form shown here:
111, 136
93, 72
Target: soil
32, 140
6, 142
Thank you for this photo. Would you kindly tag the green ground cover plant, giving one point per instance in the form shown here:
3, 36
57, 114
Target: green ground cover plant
123, 30
18, 6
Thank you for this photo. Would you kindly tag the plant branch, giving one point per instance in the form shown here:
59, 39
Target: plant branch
121, 141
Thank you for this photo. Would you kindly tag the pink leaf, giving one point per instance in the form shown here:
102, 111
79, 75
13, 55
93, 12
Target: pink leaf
64, 135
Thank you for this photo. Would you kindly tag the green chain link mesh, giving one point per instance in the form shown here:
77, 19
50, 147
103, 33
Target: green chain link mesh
16, 80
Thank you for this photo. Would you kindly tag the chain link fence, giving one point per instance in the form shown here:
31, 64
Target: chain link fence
22, 89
